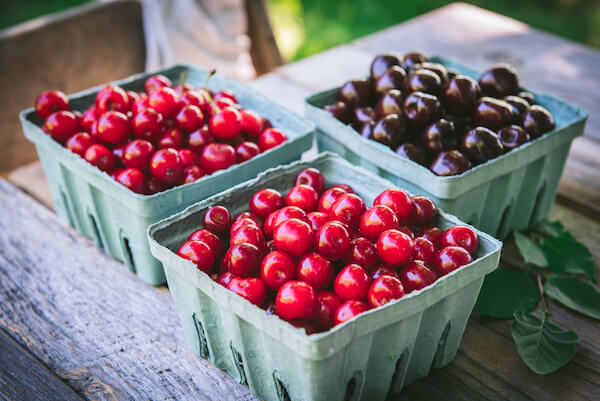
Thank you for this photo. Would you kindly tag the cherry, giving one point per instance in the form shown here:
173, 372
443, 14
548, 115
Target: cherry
294, 236
392, 78
79, 143
250, 216
527, 96
270, 245
100, 156
348, 310
451, 258
395, 247
198, 139
155, 186
115, 173
192, 173
451, 162
88, 118
50, 102
296, 299
329, 197
417, 275
171, 138
113, 127
270, 138
499, 81
61, 125
361, 116
133, 97
492, 113
251, 125
390, 130
519, 107
194, 97
421, 108
407, 230
439, 135
188, 158
165, 166
425, 250
147, 124
156, 82
210, 239
537, 121
345, 187
225, 93
433, 234
382, 62
164, 100
277, 268
376, 220
311, 177
137, 154
307, 326
413, 58
246, 151
340, 111
383, 290
217, 219
460, 95
249, 234
363, 253
424, 211
332, 240
243, 260
217, 156
271, 309
348, 209
423, 80
304, 197
315, 270
352, 282
139, 105
265, 202
189, 118
481, 144
461, 236
356, 93
317, 219
383, 270
118, 151
437, 68
133, 179
252, 289
389, 103
327, 304
512, 137
226, 124
279, 216
225, 278
397, 200
112, 98
199, 253
242, 222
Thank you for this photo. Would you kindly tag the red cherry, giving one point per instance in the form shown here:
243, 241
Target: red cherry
188, 158
266, 123
101, 157
147, 124
376, 220
417, 275
88, 118
192, 173
243, 260
270, 138
189, 118
332, 240
199, 253
50, 102
217, 156
112, 98
113, 127
198, 139
165, 166
115, 173
329, 197
348, 209
433, 234
217, 219
79, 143
397, 200
345, 187
250, 234
61, 125
133, 179
210, 239
251, 124
225, 93
132, 97
451, 258
195, 98
137, 154
385, 289
407, 230
253, 289
381, 270
462, 236
395, 247
226, 124
139, 105
352, 282
304, 197
294, 236
311, 177
317, 219
242, 222
277, 268
327, 304
315, 270
225, 278
281, 215
424, 250
171, 138
155, 186
156, 82
423, 212
251, 216
363, 253
296, 300
246, 151
265, 202
164, 100
348, 310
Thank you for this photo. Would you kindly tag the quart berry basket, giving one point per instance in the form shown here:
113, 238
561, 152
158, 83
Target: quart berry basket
510, 192
372, 355
117, 218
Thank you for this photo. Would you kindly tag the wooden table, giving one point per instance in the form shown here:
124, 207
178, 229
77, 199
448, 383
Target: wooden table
75, 324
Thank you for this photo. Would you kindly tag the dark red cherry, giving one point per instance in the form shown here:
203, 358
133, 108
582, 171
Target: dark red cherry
356, 93
198, 139
412, 152
423, 81
537, 121
328, 303
382, 62
389, 103
361, 116
340, 111
436, 68
492, 113
390, 130
392, 78
293, 236
248, 234
519, 107
512, 137
412, 58
352, 282
417, 275
481, 144
439, 136
460, 95
433, 234
424, 212
189, 118
421, 108
217, 220
451, 162
395, 247
381, 270
499, 81
363, 253
527, 96
246, 151
424, 250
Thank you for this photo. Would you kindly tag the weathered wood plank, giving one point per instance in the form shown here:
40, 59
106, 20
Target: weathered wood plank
22, 377
92, 322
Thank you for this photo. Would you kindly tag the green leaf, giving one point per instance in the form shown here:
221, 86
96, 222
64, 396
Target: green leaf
550, 228
530, 250
575, 294
543, 346
567, 255
506, 291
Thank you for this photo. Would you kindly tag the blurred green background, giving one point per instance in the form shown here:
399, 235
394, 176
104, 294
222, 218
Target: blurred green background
305, 27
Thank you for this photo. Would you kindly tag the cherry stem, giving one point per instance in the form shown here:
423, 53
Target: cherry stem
210, 99
182, 80
541, 290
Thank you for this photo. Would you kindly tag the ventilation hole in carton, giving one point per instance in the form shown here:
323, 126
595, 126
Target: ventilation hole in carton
127, 255
438, 359
65, 202
353, 387
401, 364
282, 393
503, 221
537, 205
96, 231
239, 364
202, 343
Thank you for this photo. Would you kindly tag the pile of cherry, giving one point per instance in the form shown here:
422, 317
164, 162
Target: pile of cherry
163, 137
318, 257
437, 117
